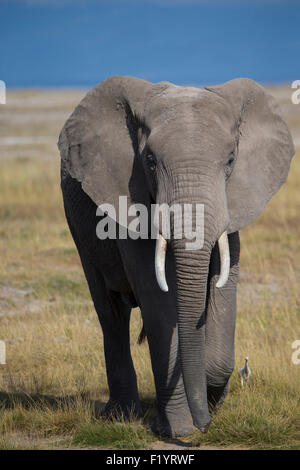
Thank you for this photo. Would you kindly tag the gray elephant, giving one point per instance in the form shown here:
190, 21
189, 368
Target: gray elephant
226, 147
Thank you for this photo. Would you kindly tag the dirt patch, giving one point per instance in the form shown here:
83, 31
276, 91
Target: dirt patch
17, 301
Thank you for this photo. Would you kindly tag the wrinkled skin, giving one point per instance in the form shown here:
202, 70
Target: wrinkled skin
226, 147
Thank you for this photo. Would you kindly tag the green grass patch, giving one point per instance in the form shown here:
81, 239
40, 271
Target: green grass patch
261, 416
116, 435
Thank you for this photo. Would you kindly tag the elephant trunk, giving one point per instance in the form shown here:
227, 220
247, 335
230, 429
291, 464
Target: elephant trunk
192, 270
192, 261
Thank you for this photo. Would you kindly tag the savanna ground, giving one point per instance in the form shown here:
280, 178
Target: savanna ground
54, 376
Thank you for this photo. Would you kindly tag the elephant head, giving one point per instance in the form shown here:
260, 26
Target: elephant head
227, 147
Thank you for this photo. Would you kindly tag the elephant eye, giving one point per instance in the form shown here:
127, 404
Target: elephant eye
229, 165
151, 161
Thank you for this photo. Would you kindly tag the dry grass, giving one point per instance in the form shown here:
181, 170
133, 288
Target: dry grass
55, 366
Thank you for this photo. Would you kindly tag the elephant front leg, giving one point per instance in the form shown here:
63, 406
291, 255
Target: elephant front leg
114, 318
123, 392
173, 414
160, 322
220, 325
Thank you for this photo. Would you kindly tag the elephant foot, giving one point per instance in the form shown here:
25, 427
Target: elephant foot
172, 426
129, 410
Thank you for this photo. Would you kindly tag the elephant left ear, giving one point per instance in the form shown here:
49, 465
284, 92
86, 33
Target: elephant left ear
265, 150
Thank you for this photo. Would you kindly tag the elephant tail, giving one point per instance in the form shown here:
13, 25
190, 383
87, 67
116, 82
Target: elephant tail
129, 300
142, 335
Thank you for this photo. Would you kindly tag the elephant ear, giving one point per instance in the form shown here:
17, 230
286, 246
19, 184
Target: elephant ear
265, 149
99, 141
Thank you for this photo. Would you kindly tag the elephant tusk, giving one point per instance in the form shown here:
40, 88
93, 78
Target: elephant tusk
224, 260
160, 257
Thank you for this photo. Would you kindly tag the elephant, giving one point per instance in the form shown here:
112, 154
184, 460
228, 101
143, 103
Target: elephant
226, 147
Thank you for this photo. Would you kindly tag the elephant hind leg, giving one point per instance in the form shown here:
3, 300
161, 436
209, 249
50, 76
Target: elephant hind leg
220, 325
216, 396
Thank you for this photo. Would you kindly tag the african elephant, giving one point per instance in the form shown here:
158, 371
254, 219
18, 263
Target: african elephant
226, 147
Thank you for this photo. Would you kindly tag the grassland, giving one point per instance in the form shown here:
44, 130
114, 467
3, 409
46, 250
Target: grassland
54, 378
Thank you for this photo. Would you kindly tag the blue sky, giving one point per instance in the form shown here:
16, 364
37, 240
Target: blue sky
81, 42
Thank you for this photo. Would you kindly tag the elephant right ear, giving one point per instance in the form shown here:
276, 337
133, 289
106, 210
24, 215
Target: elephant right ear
99, 140
265, 150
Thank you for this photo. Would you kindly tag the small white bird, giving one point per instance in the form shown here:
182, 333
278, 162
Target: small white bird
245, 373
